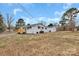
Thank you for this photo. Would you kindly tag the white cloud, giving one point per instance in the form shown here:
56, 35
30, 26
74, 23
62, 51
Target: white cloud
27, 20
17, 10
42, 18
59, 14
49, 20
39, 19
67, 5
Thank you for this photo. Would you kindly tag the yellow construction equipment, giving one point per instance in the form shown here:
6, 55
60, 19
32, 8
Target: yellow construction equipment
21, 31
20, 27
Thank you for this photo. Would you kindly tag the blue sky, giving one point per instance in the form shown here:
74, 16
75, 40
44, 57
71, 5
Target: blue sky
47, 12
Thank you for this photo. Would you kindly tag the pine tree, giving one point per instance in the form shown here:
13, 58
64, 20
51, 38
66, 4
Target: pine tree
20, 23
1, 24
68, 19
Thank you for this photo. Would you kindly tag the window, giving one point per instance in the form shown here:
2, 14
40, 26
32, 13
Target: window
42, 27
41, 32
45, 28
49, 30
37, 32
29, 27
38, 27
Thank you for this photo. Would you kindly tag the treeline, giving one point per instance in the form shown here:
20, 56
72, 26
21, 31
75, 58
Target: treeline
6, 24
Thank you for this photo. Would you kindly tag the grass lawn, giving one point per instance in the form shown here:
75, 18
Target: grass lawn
47, 44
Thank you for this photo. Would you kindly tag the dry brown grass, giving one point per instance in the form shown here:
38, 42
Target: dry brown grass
48, 44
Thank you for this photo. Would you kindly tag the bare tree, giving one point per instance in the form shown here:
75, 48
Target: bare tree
10, 19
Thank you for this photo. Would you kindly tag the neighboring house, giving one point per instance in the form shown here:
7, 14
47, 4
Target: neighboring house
39, 28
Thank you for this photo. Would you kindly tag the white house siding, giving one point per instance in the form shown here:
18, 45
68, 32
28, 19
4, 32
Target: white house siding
34, 29
52, 29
